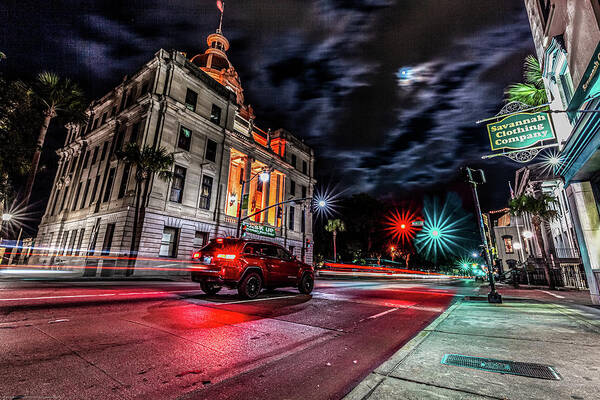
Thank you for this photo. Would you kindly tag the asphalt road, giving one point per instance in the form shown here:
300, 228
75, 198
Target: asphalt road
167, 340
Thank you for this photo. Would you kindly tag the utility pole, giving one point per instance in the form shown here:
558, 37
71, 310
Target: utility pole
476, 177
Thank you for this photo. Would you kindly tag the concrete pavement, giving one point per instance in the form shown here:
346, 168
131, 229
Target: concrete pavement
559, 335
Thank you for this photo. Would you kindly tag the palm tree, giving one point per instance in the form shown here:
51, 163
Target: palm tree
147, 162
532, 92
58, 96
541, 209
334, 226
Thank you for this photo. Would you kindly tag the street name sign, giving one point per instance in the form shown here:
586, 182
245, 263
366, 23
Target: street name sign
520, 131
261, 230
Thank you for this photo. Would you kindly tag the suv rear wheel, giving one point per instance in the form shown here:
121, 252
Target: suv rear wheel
249, 287
306, 284
209, 288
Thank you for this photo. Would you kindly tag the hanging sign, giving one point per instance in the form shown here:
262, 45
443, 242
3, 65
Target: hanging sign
520, 131
261, 230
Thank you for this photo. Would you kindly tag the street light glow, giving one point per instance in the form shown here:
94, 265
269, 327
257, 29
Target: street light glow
322, 203
474, 254
6, 217
517, 246
527, 234
264, 176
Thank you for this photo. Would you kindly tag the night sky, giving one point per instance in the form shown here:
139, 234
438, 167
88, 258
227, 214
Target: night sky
327, 70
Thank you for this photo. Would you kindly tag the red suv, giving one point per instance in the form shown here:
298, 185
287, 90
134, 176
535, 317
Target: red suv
249, 266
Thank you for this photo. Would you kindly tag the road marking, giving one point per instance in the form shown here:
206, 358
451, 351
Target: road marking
552, 294
382, 313
97, 295
248, 301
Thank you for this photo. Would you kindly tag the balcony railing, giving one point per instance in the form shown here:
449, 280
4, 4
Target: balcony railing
567, 252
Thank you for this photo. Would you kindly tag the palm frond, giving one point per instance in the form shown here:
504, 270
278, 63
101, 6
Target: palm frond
526, 93
532, 72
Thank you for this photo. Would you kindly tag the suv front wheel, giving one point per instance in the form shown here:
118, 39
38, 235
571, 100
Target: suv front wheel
306, 284
209, 288
250, 286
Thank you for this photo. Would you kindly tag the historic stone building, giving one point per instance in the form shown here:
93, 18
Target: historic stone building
194, 107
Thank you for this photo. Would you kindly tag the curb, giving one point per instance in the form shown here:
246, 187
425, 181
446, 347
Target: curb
368, 385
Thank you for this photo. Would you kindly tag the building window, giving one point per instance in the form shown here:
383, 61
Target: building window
178, 183
508, 245
86, 159
56, 197
80, 241
168, 243
85, 192
95, 125
135, 131
303, 192
108, 239
71, 248
64, 199
73, 164
95, 155
215, 114
292, 188
303, 222
104, 150
294, 160
200, 239
304, 167
144, 89
185, 138
109, 183
76, 199
120, 138
291, 219
113, 111
205, 192
104, 116
95, 189
124, 179
545, 7
191, 98
211, 150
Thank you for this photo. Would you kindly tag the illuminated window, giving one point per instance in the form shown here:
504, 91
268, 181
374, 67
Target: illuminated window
206, 192
215, 115
211, 150
508, 245
178, 183
185, 138
191, 98
168, 243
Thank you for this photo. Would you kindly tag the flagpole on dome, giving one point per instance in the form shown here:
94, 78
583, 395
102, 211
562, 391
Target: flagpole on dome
221, 7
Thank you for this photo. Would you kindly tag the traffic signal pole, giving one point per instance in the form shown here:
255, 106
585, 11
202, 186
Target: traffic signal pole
493, 296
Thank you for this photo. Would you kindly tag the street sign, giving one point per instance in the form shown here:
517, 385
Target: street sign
260, 230
520, 131
245, 202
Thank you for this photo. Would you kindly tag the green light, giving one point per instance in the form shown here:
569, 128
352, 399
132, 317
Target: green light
434, 233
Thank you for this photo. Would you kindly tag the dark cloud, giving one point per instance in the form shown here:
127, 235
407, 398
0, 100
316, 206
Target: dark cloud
327, 70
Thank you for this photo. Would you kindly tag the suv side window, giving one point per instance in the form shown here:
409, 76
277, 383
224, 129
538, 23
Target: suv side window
283, 254
269, 251
252, 249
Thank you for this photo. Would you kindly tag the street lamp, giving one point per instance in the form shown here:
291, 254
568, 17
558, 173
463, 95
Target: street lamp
474, 254
6, 217
527, 234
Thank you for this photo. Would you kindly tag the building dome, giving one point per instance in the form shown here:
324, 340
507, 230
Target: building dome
215, 63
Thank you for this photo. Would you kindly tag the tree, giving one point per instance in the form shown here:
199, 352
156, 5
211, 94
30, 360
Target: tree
541, 209
147, 162
532, 92
18, 122
57, 96
334, 226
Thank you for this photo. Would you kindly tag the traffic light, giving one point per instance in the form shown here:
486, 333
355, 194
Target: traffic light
244, 227
475, 176
279, 212
308, 243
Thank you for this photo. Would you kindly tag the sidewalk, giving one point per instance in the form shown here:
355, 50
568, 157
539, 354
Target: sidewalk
517, 330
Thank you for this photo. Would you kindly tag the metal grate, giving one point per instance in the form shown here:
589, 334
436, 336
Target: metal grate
502, 366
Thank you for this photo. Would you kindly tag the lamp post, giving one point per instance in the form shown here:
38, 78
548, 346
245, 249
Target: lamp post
493, 296
263, 176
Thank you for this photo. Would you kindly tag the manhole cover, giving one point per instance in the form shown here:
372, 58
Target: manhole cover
502, 366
